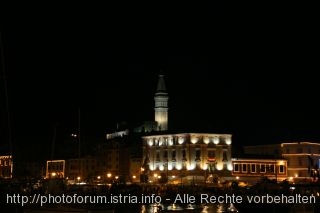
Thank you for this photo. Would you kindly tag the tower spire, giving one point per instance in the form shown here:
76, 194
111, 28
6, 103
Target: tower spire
161, 88
161, 105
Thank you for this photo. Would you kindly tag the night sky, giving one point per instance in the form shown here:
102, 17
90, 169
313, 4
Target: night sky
260, 87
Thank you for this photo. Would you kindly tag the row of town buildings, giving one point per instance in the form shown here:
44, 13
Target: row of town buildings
181, 158
155, 155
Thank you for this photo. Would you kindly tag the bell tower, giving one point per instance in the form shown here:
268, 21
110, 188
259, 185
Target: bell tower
161, 105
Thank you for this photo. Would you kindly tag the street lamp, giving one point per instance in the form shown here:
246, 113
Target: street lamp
109, 176
77, 136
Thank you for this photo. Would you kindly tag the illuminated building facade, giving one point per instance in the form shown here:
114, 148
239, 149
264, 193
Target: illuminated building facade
186, 157
6, 166
303, 157
55, 169
252, 169
105, 164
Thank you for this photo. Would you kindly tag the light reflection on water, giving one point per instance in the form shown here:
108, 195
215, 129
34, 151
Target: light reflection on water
211, 208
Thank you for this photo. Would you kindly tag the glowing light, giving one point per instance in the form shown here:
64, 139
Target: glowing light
160, 141
150, 142
151, 167
228, 141
180, 140
191, 166
155, 175
290, 178
116, 177
173, 176
219, 166
169, 167
296, 175
215, 140
205, 166
161, 168
142, 169
230, 167
194, 140
237, 177
206, 140
98, 177
78, 178
53, 174
109, 175
134, 177
170, 141
178, 166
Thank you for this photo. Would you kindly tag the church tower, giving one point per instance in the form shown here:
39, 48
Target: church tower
161, 105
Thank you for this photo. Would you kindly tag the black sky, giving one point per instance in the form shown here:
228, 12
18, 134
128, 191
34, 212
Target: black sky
258, 84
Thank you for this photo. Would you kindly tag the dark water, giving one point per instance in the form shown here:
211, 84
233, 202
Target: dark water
131, 208
212, 208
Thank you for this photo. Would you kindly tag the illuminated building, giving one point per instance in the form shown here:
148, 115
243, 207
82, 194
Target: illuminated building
251, 170
187, 156
303, 157
6, 166
55, 169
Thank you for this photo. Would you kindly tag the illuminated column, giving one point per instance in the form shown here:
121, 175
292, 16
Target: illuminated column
161, 105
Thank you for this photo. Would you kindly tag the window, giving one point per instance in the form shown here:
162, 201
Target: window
198, 153
299, 150
244, 167
309, 150
224, 156
270, 168
281, 169
300, 161
262, 168
211, 154
184, 154
236, 167
173, 155
253, 168
165, 154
